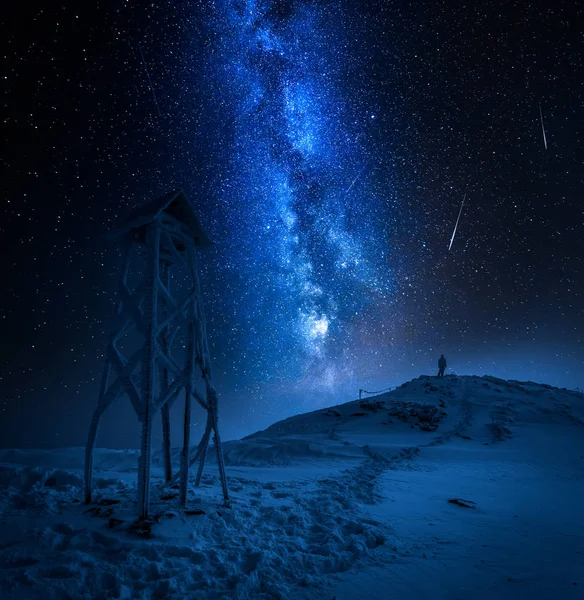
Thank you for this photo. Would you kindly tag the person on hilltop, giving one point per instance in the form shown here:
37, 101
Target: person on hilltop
441, 365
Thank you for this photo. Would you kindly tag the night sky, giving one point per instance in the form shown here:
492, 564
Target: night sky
326, 148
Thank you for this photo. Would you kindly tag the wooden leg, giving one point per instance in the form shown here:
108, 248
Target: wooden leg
166, 443
93, 427
144, 468
220, 460
184, 458
203, 452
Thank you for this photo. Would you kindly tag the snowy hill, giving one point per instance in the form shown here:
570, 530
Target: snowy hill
461, 487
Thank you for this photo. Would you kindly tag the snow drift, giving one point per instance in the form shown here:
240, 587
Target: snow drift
360, 498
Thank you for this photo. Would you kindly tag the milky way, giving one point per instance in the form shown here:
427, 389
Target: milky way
307, 255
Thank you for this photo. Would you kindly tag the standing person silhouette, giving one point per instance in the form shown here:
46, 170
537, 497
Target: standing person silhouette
441, 365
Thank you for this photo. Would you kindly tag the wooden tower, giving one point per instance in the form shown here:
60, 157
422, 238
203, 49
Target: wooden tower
159, 340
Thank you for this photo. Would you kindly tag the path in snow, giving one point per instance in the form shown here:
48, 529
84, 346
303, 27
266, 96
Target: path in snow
525, 539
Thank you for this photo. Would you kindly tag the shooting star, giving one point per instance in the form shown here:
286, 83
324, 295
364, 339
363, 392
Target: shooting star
456, 225
355, 180
149, 80
542, 127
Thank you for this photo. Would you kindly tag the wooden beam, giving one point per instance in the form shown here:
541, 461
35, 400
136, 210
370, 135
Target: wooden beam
124, 373
149, 367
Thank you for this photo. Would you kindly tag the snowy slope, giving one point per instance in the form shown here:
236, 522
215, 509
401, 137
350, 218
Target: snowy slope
342, 502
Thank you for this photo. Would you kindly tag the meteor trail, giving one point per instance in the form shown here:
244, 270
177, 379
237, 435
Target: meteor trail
456, 225
355, 180
542, 127
149, 80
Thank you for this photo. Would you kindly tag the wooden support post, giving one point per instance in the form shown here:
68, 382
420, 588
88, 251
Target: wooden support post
186, 450
144, 462
184, 457
149, 367
166, 442
93, 427
102, 403
203, 446
221, 465
165, 411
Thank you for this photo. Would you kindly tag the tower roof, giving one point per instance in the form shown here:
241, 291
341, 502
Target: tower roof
174, 204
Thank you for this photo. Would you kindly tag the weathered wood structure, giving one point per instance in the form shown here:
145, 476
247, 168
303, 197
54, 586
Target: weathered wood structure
159, 340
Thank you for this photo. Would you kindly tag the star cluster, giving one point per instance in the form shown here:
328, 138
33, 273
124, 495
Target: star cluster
326, 147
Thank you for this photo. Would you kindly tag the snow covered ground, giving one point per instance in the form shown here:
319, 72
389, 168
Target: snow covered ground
458, 488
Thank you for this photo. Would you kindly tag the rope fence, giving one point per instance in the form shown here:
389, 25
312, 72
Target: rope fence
361, 392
